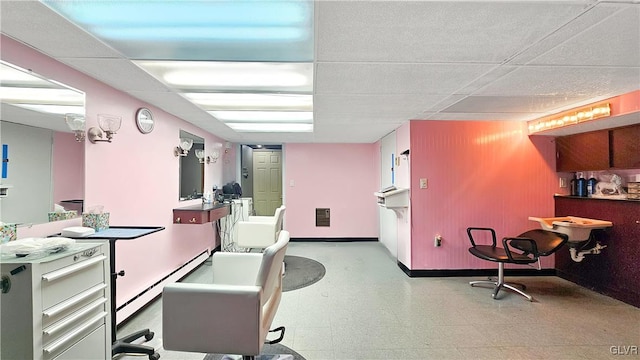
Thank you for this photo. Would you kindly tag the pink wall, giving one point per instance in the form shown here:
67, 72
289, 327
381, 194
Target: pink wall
135, 177
68, 167
480, 173
341, 177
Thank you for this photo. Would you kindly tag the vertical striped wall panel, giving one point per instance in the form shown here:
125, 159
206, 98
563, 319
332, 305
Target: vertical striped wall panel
480, 173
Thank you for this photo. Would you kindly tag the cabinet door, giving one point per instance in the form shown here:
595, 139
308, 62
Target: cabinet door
580, 152
625, 147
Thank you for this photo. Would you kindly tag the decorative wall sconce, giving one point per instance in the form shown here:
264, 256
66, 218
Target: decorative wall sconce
215, 155
200, 156
109, 124
76, 122
184, 147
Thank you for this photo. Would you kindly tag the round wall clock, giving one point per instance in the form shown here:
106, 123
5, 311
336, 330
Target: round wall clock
144, 120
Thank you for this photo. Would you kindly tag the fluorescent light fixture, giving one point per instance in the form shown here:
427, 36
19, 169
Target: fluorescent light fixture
264, 116
40, 95
220, 76
238, 101
190, 20
271, 127
53, 109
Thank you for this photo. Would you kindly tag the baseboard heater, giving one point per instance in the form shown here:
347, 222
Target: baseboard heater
136, 303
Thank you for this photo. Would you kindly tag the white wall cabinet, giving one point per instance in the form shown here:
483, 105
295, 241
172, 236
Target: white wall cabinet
57, 306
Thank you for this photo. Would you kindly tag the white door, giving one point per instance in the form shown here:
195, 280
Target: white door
388, 221
267, 181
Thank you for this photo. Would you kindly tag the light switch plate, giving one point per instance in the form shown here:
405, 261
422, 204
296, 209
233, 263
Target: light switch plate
423, 183
563, 182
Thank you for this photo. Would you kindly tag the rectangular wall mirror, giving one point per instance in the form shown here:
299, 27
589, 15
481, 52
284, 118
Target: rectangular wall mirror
191, 169
44, 163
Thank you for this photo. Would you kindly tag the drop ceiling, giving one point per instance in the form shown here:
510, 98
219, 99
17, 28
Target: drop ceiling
378, 64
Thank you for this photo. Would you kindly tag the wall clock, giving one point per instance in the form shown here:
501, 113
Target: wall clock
144, 120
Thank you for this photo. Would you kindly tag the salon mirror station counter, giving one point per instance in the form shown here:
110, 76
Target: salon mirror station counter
200, 214
44, 161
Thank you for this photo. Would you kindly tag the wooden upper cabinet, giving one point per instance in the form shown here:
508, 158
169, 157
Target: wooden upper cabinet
583, 152
625, 147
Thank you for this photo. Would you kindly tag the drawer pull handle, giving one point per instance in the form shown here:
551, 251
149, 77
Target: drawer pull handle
193, 220
75, 316
55, 275
71, 335
52, 311
178, 220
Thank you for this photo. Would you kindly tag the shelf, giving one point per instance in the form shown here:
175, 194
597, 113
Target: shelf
398, 198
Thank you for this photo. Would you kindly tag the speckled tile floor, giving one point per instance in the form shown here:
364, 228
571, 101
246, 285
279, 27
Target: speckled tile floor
367, 308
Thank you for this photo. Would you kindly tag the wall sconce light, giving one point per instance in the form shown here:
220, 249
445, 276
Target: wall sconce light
570, 118
76, 123
109, 124
183, 149
200, 155
215, 155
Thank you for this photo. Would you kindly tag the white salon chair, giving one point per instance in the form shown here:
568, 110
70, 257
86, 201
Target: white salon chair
233, 315
258, 232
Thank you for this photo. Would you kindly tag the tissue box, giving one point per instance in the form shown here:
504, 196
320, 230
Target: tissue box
96, 221
8, 232
63, 215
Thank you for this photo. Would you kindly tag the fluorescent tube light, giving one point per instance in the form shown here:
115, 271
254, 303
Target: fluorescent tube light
271, 127
237, 101
264, 116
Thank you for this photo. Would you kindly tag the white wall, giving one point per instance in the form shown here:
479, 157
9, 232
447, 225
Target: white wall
388, 220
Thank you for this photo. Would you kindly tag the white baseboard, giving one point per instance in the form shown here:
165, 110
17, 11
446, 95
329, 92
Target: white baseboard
150, 294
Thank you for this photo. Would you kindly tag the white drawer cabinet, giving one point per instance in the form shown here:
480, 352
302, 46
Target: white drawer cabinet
58, 306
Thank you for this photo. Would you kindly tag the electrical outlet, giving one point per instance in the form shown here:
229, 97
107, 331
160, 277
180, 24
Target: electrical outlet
437, 241
423, 183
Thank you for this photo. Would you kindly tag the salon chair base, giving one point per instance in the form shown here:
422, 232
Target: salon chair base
499, 283
124, 345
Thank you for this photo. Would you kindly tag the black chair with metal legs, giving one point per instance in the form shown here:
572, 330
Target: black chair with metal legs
523, 249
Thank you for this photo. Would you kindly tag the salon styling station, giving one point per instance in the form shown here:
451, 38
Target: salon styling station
122, 233
202, 214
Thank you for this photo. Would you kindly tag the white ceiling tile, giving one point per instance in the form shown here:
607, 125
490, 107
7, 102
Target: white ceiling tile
33, 23
614, 41
510, 104
565, 81
352, 133
435, 31
395, 78
576, 26
375, 104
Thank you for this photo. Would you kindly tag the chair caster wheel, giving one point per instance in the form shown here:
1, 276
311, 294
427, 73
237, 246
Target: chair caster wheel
148, 337
154, 356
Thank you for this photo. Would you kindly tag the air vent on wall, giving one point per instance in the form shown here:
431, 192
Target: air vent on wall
323, 217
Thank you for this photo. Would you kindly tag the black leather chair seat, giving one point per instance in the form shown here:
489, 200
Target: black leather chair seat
547, 242
498, 254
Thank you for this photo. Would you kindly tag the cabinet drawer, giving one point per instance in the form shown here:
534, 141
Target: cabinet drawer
190, 217
66, 282
90, 347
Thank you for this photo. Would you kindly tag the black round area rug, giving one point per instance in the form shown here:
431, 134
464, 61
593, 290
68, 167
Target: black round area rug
269, 352
300, 272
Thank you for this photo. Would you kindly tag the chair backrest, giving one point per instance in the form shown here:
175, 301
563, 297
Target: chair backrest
279, 216
270, 273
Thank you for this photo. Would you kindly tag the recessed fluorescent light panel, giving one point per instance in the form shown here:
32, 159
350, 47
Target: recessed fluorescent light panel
271, 127
253, 59
223, 30
239, 101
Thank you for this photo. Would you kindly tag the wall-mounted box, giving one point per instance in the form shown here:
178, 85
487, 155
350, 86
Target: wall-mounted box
398, 198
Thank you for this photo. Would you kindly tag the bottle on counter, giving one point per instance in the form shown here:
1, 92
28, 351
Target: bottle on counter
591, 185
581, 185
573, 185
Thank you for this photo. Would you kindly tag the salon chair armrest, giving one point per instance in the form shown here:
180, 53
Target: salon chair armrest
203, 317
528, 246
235, 268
